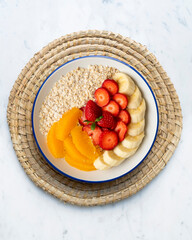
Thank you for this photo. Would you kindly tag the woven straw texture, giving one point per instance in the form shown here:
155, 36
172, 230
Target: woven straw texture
52, 56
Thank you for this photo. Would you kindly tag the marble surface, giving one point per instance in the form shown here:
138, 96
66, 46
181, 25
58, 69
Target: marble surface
163, 209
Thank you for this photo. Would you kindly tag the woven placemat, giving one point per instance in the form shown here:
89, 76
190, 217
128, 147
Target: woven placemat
52, 56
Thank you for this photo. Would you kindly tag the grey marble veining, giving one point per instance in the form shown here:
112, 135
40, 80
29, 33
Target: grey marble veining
163, 209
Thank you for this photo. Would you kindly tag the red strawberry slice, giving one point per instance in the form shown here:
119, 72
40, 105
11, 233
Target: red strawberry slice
95, 134
102, 97
121, 99
108, 121
112, 107
83, 118
108, 140
121, 129
92, 111
124, 116
111, 86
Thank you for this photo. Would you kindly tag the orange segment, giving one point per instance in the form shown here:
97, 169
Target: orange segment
55, 146
83, 143
80, 165
67, 122
72, 151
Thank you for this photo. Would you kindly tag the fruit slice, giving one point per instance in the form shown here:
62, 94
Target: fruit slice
132, 142
136, 128
124, 152
92, 111
84, 167
108, 121
95, 134
83, 143
55, 146
124, 116
126, 84
72, 152
100, 164
67, 122
108, 140
111, 86
121, 99
121, 129
138, 114
83, 118
111, 158
112, 107
135, 99
102, 97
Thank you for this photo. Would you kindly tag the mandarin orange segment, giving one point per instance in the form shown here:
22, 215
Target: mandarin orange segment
80, 165
83, 143
67, 122
55, 146
72, 151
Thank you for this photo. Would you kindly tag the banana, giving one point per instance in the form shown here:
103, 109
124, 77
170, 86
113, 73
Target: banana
135, 99
111, 158
135, 129
100, 164
126, 84
123, 152
138, 114
132, 142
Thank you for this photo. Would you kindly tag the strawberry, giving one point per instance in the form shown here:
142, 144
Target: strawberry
92, 111
112, 107
124, 116
95, 134
83, 118
108, 140
111, 86
102, 97
121, 99
121, 129
108, 121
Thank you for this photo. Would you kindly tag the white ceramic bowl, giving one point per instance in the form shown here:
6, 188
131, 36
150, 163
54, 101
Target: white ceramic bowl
151, 128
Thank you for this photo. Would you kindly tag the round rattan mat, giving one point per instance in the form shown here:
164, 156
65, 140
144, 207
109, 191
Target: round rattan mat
52, 56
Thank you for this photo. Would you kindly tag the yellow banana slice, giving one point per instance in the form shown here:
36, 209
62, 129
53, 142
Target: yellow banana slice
135, 99
138, 114
111, 158
126, 84
100, 164
124, 152
133, 142
135, 129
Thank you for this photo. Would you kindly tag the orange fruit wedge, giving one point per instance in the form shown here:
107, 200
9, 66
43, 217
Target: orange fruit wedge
78, 165
67, 123
83, 143
55, 146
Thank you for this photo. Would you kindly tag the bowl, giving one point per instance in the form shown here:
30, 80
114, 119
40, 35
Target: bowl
151, 121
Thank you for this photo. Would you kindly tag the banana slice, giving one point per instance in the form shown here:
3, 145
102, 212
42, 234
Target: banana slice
135, 129
111, 158
126, 84
124, 152
100, 164
138, 114
132, 142
135, 99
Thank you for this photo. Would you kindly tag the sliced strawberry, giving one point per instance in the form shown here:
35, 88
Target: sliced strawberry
104, 129
111, 86
121, 99
92, 111
112, 107
108, 140
121, 129
124, 116
95, 134
83, 118
102, 97
108, 121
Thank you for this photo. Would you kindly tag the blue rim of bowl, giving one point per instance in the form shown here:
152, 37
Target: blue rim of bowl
65, 174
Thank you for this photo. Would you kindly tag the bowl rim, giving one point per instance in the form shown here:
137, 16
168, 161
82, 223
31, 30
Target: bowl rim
33, 130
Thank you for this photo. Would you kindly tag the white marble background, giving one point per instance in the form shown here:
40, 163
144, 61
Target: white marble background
163, 209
